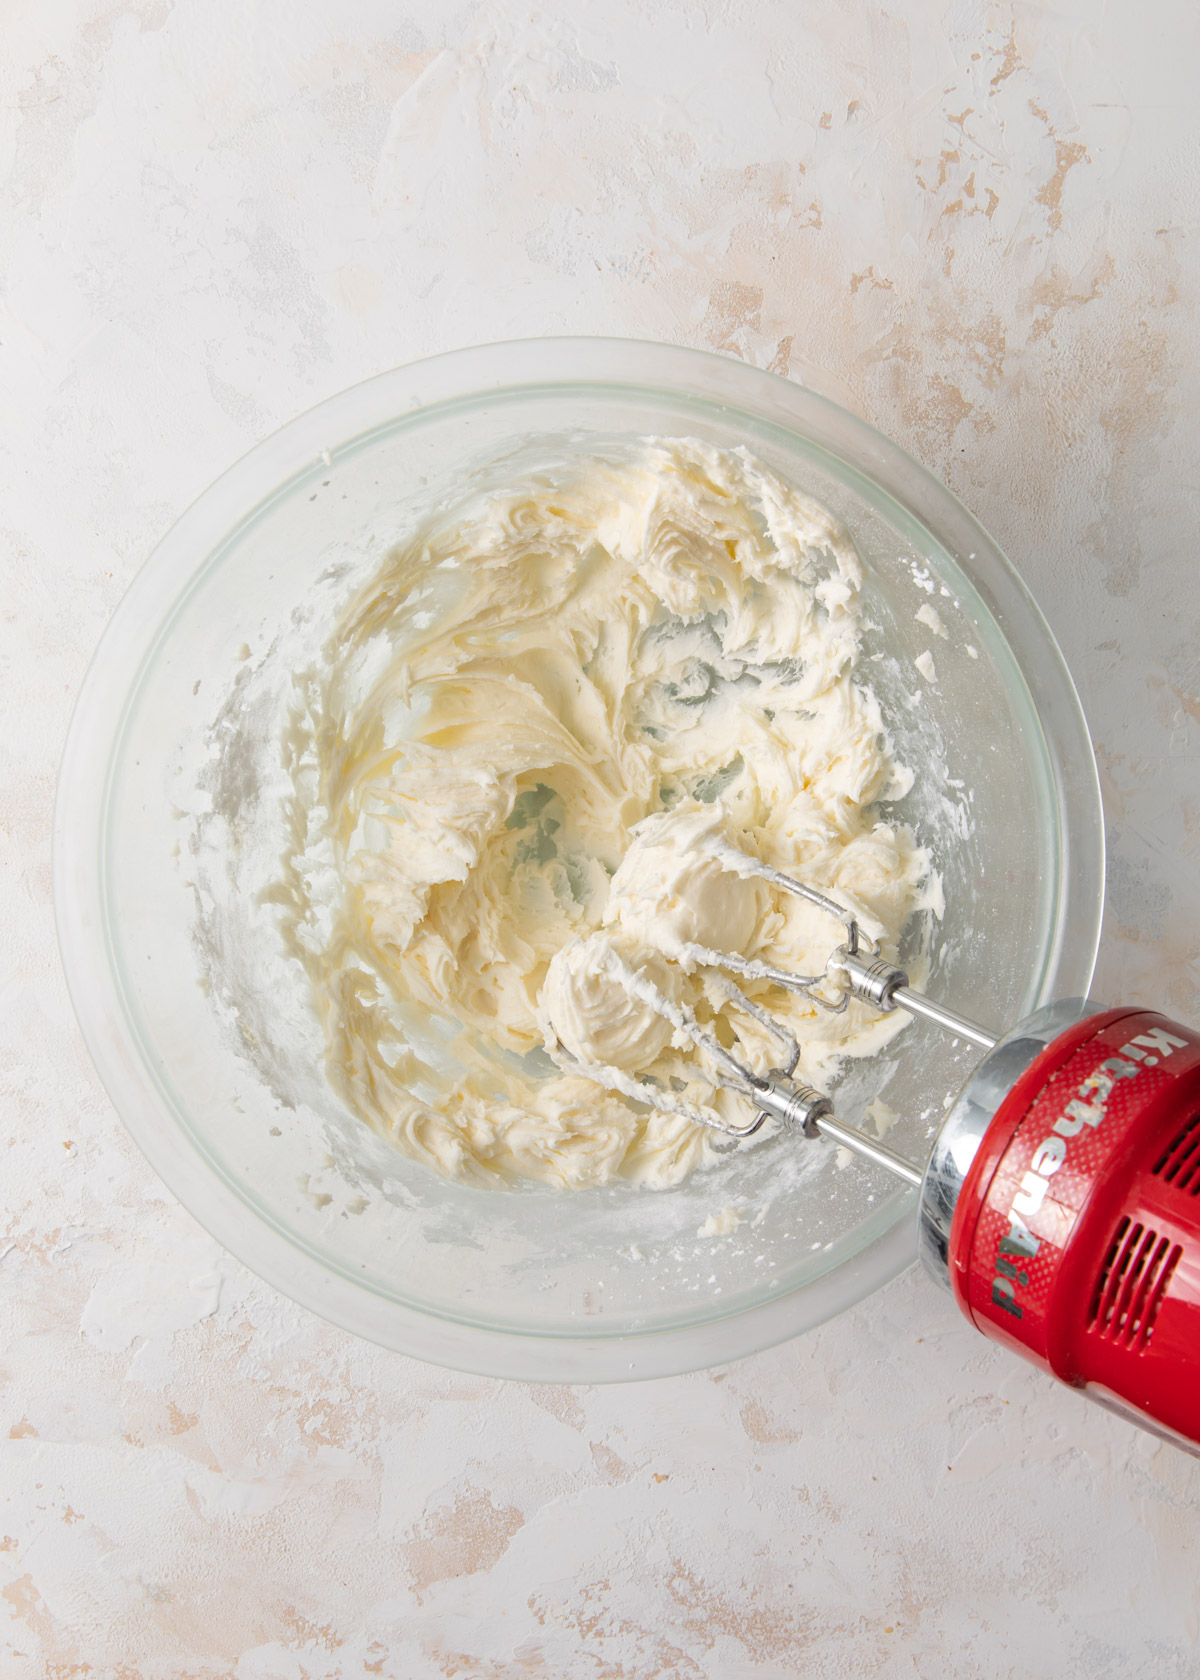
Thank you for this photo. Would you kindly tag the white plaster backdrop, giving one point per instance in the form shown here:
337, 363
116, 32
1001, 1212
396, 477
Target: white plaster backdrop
980, 220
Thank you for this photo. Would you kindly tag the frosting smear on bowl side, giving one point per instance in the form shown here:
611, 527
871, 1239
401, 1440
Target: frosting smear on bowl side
663, 635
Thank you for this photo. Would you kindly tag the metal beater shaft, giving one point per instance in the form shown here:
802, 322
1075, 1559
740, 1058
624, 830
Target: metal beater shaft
885, 986
918, 1004
799, 1105
871, 1150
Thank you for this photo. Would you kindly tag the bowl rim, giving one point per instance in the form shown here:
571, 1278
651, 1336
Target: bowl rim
318, 435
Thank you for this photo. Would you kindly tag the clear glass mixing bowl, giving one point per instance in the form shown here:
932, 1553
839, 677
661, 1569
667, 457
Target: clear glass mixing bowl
169, 790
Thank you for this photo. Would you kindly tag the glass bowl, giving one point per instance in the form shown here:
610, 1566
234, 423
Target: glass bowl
197, 1022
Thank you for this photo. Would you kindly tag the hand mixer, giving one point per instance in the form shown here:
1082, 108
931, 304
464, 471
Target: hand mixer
1061, 1199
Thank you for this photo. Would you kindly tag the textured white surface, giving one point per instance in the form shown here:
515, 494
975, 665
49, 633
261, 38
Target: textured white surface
980, 219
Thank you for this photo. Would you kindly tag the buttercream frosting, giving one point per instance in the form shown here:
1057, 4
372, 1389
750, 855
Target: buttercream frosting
522, 729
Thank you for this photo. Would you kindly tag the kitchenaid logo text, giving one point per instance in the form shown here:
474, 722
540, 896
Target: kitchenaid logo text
1088, 1107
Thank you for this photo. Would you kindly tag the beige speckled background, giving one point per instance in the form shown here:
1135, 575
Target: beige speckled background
981, 221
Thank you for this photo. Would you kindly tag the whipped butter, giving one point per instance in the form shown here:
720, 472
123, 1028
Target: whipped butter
661, 637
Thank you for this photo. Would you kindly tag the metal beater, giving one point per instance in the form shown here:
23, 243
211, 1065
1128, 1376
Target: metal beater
855, 969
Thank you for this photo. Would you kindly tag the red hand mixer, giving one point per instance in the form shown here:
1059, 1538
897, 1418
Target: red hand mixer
1061, 1199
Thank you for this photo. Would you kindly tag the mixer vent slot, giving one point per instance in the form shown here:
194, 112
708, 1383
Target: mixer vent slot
1131, 1285
1179, 1162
